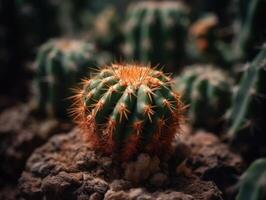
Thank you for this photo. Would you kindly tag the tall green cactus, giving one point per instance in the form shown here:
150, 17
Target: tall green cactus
252, 33
208, 92
61, 63
126, 109
246, 119
156, 32
253, 182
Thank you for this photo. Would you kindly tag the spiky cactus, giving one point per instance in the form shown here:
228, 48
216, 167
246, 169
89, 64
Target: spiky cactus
253, 182
61, 63
126, 109
207, 91
156, 32
252, 32
247, 114
205, 46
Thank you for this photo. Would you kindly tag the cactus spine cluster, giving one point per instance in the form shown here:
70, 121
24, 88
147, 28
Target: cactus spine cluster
156, 32
253, 182
61, 63
247, 114
208, 92
126, 109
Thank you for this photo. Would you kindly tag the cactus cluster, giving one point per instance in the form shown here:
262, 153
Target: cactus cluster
127, 109
253, 182
61, 63
156, 32
247, 114
208, 92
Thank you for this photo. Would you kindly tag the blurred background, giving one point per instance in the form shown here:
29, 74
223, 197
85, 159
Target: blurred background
214, 50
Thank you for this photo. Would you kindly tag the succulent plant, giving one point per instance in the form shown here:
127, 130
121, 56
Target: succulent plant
251, 35
253, 182
205, 45
208, 92
246, 118
156, 32
61, 63
126, 109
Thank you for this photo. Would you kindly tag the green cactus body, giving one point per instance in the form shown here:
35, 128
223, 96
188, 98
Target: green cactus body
252, 28
246, 119
127, 109
253, 182
156, 32
208, 91
60, 64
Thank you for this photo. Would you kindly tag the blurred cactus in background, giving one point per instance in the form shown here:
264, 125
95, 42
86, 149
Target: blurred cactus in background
247, 114
107, 31
253, 182
156, 32
127, 109
61, 63
208, 92
252, 28
205, 45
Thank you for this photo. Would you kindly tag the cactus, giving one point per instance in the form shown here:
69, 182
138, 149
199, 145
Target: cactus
60, 65
253, 182
252, 31
246, 119
156, 32
127, 109
205, 46
208, 91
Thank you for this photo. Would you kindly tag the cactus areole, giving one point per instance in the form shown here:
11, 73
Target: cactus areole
127, 109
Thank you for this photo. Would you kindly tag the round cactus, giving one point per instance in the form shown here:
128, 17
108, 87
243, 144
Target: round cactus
208, 91
156, 32
127, 109
61, 63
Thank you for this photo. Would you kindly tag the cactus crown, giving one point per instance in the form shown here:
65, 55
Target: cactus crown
128, 109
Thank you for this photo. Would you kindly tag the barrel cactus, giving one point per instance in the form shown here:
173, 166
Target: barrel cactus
208, 92
246, 119
155, 31
253, 182
61, 63
126, 109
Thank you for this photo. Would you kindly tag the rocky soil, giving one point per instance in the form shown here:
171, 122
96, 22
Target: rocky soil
66, 167
20, 134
